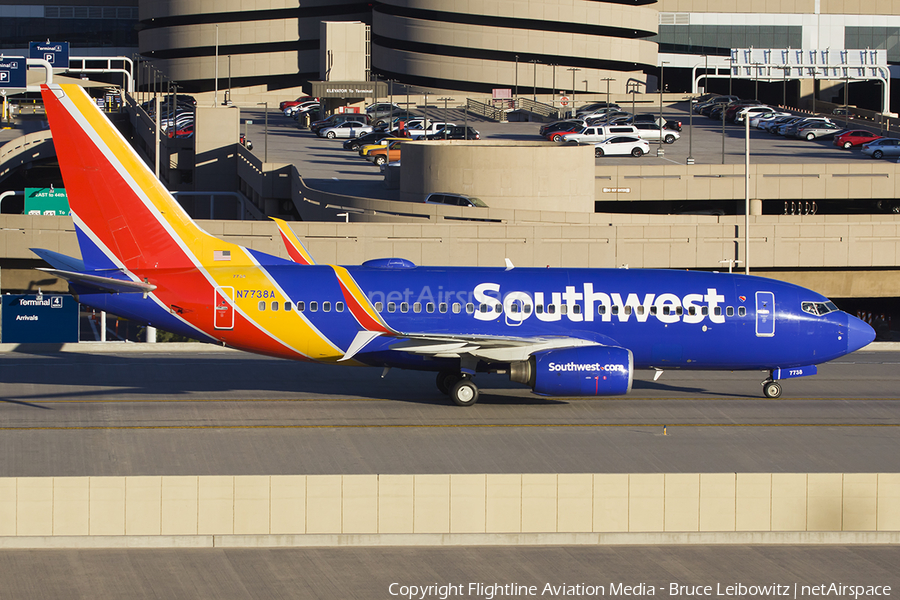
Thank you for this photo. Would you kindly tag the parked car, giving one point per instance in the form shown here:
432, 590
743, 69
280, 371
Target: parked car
594, 107
622, 145
364, 151
337, 119
285, 104
855, 137
291, 111
455, 132
883, 147
741, 113
381, 112
772, 126
791, 129
454, 200
372, 137
759, 121
653, 132
386, 154
598, 134
651, 118
569, 124
698, 108
818, 131
347, 129
416, 132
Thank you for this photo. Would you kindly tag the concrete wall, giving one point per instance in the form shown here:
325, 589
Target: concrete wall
809, 181
343, 53
448, 504
839, 256
511, 175
840, 7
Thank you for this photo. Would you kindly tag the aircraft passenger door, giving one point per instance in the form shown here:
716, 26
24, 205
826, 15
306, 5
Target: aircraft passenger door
765, 314
223, 317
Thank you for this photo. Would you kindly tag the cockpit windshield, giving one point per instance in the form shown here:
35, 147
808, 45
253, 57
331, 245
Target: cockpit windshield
818, 308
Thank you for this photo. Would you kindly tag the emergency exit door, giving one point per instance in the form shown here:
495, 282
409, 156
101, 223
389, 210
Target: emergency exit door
223, 317
765, 314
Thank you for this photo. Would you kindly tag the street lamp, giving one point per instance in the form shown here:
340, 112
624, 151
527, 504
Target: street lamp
607, 80
662, 66
690, 158
534, 79
266, 134
574, 70
730, 60
516, 88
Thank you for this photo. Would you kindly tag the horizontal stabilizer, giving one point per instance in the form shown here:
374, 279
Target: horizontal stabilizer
60, 261
361, 340
104, 284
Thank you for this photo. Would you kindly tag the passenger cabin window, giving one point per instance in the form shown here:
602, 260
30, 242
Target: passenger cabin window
313, 306
417, 307
339, 307
576, 309
601, 309
539, 309
470, 308
615, 309
379, 306
628, 309
742, 311
262, 305
404, 307
429, 307
551, 309
326, 307
442, 307
729, 312
457, 308
301, 306
391, 307
563, 309
275, 305
653, 310
287, 306
498, 308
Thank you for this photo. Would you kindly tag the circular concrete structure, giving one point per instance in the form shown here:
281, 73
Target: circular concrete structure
513, 175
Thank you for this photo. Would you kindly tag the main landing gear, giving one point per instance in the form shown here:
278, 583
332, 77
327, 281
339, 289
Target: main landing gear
459, 387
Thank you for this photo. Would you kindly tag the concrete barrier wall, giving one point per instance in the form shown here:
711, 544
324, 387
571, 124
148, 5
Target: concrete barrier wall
449, 504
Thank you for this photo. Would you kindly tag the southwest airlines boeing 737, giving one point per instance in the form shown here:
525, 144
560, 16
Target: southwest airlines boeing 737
561, 332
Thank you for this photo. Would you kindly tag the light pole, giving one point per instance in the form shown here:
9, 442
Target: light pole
535, 62
662, 66
607, 80
574, 70
445, 100
847, 100
730, 70
746, 196
266, 134
553, 86
690, 158
516, 88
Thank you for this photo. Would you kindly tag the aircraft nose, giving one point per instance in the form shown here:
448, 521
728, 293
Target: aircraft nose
859, 334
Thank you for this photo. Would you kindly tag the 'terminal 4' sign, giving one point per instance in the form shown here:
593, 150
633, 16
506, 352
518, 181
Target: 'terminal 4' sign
13, 73
55, 53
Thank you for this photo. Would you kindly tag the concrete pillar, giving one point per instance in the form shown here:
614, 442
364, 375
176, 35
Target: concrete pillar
755, 206
151, 335
102, 325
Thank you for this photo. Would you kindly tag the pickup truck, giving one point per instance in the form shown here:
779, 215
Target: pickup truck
415, 132
389, 153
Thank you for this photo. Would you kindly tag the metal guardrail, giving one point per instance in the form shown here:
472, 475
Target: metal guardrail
538, 108
485, 110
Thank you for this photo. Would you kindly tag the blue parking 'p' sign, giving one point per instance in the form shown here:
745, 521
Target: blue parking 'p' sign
55, 53
13, 72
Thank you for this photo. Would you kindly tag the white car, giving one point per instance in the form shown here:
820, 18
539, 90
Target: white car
621, 145
415, 131
347, 129
653, 132
757, 120
742, 113
291, 110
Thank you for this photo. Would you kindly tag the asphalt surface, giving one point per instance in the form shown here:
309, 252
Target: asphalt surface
369, 573
325, 166
75, 414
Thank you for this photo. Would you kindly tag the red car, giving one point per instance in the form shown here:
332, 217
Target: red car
555, 136
300, 100
855, 137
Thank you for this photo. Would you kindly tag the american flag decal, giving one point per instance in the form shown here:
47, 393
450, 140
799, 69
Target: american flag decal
222, 255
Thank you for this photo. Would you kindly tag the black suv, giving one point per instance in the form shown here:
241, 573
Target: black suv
455, 132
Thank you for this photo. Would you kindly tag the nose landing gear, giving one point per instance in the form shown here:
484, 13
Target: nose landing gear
459, 386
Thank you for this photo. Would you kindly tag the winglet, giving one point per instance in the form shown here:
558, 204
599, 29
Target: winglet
295, 248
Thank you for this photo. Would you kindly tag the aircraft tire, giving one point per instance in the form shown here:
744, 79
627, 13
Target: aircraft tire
772, 389
464, 392
445, 379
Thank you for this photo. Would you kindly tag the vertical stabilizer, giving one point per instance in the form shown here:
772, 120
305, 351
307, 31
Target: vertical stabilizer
124, 215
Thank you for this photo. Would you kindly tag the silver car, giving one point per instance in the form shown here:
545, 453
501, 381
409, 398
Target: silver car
882, 147
818, 131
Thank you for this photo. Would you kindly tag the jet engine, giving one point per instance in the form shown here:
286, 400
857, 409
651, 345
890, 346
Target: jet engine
582, 371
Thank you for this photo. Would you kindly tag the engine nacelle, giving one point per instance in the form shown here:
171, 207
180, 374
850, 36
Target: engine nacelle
583, 371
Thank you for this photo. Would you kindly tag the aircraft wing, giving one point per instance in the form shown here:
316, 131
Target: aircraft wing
104, 284
489, 348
